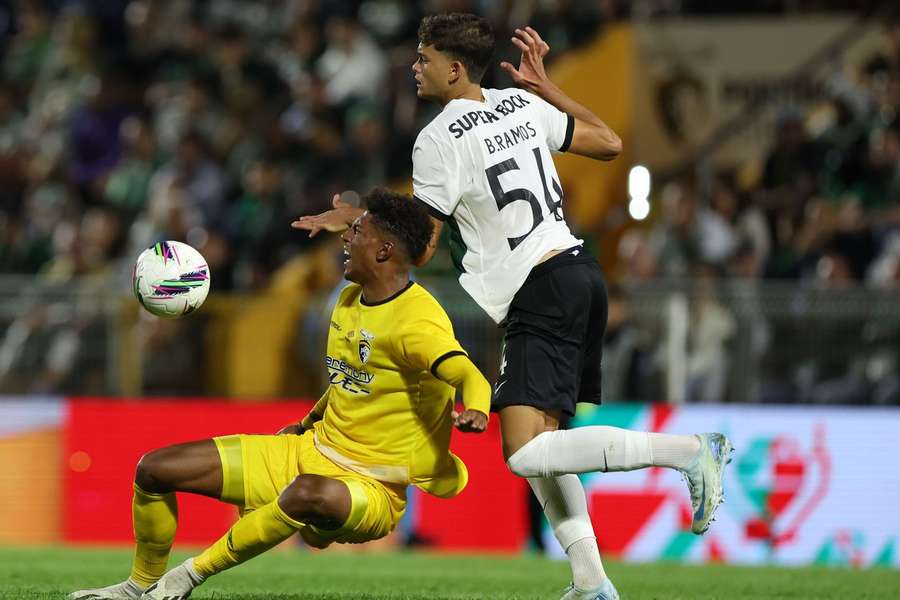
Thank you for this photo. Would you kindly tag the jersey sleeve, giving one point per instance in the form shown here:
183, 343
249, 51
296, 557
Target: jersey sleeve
558, 125
436, 172
425, 341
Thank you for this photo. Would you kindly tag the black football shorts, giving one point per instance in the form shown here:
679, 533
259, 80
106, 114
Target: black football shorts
554, 336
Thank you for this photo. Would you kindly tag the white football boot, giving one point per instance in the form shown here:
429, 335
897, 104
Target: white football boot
704, 478
606, 591
177, 584
127, 590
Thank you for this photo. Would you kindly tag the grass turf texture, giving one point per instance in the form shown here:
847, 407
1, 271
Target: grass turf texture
39, 574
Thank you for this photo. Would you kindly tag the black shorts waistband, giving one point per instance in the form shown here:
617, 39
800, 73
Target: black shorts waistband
571, 256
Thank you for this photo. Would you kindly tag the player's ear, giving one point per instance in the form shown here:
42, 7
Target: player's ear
456, 72
385, 252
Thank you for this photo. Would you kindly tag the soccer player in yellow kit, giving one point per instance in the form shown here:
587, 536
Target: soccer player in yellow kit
340, 474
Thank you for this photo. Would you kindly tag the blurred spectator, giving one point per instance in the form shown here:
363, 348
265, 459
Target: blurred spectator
712, 325
795, 160
127, 185
352, 66
675, 240
31, 46
194, 171
627, 369
256, 224
93, 143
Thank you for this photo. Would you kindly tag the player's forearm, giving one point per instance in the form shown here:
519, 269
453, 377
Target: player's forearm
316, 414
592, 137
552, 93
461, 373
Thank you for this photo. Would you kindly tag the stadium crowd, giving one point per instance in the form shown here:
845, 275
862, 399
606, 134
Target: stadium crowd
219, 122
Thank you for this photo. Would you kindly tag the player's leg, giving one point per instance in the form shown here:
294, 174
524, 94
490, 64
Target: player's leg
193, 467
563, 501
315, 500
321, 506
536, 384
256, 470
701, 458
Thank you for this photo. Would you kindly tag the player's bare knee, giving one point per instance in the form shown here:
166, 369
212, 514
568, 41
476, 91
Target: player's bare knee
308, 498
150, 473
514, 439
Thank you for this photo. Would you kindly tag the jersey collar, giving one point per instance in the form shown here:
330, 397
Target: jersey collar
386, 300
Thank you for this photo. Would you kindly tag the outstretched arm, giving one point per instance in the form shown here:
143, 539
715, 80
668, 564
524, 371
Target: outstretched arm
335, 220
462, 374
591, 137
342, 216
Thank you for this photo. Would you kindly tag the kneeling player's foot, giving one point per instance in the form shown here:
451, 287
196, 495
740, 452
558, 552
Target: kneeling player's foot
704, 478
177, 584
127, 590
606, 591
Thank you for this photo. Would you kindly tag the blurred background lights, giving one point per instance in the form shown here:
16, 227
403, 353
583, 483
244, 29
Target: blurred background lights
639, 192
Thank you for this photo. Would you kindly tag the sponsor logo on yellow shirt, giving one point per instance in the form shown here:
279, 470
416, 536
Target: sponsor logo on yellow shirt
347, 376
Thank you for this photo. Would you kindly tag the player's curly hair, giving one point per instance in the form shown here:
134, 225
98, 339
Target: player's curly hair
401, 217
464, 37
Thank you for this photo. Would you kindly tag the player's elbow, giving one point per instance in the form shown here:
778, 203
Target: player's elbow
599, 143
609, 147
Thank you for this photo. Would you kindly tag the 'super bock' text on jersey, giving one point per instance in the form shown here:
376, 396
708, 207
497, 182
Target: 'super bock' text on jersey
486, 169
387, 415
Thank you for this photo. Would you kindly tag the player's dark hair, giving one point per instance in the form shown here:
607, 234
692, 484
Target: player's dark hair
401, 217
463, 37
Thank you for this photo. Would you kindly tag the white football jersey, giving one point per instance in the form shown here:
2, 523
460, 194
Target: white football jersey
486, 169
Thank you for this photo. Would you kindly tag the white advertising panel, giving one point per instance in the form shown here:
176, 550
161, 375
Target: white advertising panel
808, 485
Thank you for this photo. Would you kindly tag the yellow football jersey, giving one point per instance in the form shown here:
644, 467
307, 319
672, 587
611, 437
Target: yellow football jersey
387, 415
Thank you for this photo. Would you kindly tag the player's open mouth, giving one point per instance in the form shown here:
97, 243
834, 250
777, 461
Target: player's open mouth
346, 256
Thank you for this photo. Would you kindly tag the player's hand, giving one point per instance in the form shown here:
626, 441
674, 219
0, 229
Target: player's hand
470, 421
530, 74
335, 220
292, 429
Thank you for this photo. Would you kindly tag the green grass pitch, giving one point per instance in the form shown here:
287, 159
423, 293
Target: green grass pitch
50, 573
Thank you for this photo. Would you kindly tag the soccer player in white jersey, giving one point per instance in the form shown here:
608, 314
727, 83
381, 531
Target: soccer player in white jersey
483, 166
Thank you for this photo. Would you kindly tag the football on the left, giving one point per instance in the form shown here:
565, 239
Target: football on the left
170, 279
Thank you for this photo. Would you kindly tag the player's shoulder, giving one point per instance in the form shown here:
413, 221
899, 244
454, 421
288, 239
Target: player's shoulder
503, 98
419, 304
435, 132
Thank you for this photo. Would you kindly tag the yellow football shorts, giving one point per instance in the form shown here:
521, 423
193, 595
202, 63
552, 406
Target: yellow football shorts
256, 468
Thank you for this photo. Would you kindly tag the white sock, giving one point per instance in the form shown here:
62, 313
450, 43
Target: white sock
600, 448
673, 451
196, 578
587, 568
565, 507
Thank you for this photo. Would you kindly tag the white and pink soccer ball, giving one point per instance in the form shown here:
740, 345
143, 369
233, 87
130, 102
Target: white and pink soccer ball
170, 279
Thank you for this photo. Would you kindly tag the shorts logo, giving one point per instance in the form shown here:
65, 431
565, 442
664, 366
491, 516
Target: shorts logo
365, 349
